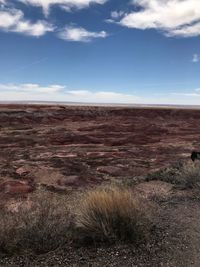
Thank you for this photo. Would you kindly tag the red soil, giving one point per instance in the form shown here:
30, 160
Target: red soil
13, 188
81, 146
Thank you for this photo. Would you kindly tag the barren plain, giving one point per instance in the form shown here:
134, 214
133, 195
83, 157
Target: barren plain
68, 149
83, 146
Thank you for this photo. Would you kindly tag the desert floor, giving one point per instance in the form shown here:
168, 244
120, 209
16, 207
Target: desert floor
70, 149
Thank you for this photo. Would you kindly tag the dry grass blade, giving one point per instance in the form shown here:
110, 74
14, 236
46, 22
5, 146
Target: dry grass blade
114, 214
190, 176
42, 227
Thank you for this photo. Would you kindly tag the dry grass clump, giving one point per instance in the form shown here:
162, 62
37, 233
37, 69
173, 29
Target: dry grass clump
42, 227
113, 214
169, 174
190, 176
185, 175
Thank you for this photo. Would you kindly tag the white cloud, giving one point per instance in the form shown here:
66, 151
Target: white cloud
12, 20
9, 18
195, 58
66, 4
116, 14
173, 17
31, 87
37, 29
185, 94
186, 31
60, 93
78, 34
190, 97
102, 97
17, 92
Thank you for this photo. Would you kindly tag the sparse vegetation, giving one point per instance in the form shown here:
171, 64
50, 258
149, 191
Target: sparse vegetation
168, 174
76, 148
185, 175
190, 176
114, 214
43, 226
45, 223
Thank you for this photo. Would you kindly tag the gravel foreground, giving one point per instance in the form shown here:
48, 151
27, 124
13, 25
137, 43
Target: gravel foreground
174, 242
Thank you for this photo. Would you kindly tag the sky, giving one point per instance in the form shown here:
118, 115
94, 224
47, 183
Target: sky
102, 51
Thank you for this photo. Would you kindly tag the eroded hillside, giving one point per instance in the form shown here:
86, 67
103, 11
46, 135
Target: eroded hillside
61, 147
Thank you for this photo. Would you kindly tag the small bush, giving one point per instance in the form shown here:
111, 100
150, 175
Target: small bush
42, 227
190, 176
114, 214
8, 232
184, 175
168, 174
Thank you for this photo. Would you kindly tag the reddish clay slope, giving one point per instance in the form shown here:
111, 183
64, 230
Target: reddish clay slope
78, 146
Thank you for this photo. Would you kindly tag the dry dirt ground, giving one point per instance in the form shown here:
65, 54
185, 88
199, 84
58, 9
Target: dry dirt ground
70, 149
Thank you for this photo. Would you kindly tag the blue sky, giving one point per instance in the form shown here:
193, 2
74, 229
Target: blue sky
108, 51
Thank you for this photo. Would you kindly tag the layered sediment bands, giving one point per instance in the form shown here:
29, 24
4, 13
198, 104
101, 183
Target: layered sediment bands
61, 146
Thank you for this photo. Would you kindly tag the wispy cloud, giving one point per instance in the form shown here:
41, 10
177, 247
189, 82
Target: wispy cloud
186, 31
117, 14
36, 29
12, 20
57, 92
187, 95
195, 58
78, 34
192, 94
14, 92
172, 17
32, 87
9, 18
66, 4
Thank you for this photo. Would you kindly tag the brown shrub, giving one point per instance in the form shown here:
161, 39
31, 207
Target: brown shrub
42, 227
113, 214
185, 175
190, 176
